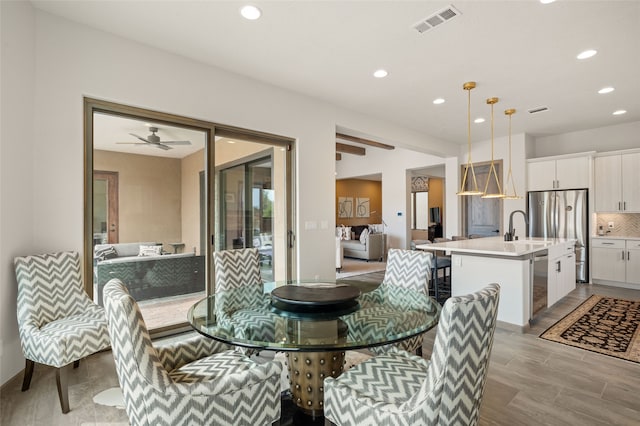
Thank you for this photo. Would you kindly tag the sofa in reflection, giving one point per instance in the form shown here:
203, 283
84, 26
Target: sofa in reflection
148, 276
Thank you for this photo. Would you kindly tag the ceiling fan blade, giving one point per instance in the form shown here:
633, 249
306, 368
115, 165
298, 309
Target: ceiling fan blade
141, 138
162, 146
177, 142
132, 143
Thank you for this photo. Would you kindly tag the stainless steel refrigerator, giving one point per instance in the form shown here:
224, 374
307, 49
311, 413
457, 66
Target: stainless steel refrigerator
562, 214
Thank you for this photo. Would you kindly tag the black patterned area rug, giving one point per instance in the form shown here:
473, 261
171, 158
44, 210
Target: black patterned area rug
605, 325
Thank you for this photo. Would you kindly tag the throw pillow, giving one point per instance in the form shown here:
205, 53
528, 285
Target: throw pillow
364, 235
105, 253
346, 233
150, 251
375, 228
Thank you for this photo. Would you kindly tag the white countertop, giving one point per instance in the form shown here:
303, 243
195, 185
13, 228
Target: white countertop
613, 237
495, 246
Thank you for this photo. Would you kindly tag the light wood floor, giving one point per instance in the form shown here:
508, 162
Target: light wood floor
531, 381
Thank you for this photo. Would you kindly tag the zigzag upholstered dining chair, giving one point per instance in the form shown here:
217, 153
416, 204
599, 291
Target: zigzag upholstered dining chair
399, 388
240, 300
407, 269
58, 323
194, 382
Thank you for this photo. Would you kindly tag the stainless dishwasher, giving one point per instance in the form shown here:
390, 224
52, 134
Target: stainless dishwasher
538, 287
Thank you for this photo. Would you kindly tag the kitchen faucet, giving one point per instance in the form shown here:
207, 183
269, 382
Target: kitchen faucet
510, 235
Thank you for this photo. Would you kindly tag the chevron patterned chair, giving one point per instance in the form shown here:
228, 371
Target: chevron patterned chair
408, 269
198, 381
399, 388
58, 323
240, 300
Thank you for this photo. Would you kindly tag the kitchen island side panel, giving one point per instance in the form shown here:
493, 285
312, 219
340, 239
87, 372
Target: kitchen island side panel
470, 273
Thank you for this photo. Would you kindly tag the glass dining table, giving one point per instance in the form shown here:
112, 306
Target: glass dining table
314, 323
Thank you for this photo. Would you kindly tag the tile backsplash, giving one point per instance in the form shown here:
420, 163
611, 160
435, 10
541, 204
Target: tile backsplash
624, 224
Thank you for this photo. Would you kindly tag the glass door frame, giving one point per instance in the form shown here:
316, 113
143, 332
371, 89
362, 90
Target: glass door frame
288, 145
92, 105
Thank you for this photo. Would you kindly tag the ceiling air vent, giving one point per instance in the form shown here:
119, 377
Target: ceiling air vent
436, 19
538, 109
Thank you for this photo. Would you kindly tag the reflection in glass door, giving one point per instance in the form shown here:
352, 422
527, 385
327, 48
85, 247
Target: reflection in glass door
171, 210
252, 205
247, 210
148, 216
105, 207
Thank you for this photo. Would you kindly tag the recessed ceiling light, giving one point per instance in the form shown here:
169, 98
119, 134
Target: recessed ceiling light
546, 1
230, 141
606, 90
479, 120
438, 101
619, 112
587, 54
380, 73
250, 12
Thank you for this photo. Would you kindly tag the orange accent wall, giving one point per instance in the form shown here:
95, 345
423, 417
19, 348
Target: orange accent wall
360, 188
436, 195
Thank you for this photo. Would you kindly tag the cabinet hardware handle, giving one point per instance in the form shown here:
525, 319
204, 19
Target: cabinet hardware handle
607, 244
619, 205
622, 254
558, 267
624, 205
629, 255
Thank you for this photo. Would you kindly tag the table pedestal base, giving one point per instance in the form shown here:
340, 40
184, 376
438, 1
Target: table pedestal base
307, 371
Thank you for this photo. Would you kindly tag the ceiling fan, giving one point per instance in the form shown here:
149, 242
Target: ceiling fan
154, 140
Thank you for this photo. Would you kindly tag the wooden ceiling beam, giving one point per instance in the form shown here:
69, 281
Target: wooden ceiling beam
350, 149
364, 141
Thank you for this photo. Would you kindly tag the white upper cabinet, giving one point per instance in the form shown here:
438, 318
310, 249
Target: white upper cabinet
631, 182
559, 173
617, 183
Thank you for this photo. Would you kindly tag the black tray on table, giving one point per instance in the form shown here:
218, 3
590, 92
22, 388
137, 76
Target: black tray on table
315, 299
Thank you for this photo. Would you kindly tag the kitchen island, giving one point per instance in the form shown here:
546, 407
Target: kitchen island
533, 273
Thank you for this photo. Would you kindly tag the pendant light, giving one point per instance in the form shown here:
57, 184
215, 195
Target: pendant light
514, 196
492, 167
468, 86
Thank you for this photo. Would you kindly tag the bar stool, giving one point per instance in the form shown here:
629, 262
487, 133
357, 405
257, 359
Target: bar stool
440, 263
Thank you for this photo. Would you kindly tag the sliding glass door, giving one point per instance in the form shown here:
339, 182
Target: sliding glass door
162, 192
252, 196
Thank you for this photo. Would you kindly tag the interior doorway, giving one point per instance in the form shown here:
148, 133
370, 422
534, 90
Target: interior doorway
105, 207
427, 203
482, 217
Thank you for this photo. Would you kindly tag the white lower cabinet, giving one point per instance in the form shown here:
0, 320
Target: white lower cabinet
561, 276
633, 261
615, 260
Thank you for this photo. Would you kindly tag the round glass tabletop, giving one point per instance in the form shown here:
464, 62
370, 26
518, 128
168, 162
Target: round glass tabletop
312, 316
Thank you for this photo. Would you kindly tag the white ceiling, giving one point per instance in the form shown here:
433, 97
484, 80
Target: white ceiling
113, 133
523, 52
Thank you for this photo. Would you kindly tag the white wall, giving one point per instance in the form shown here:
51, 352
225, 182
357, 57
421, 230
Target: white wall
393, 166
16, 172
72, 61
602, 139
